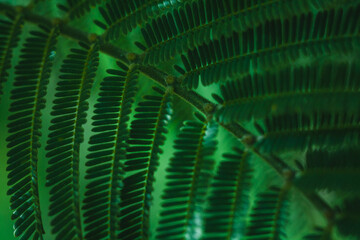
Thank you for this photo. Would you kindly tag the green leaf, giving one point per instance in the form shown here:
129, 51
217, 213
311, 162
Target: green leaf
121, 17
147, 136
330, 87
77, 9
188, 180
268, 216
108, 152
198, 22
332, 170
228, 201
274, 45
27, 103
297, 132
65, 137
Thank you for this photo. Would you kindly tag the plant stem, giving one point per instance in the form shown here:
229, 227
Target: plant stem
159, 76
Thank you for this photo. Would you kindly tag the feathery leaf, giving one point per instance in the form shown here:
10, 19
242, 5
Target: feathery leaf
77, 8
273, 45
108, 152
338, 170
320, 87
188, 178
198, 22
121, 17
147, 135
228, 202
28, 100
300, 131
268, 216
66, 134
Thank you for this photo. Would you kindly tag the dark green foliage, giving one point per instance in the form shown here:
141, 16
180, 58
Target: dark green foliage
229, 198
27, 101
269, 215
349, 219
108, 152
300, 131
199, 22
337, 170
10, 30
77, 8
188, 178
325, 87
286, 76
66, 134
274, 44
121, 17
147, 135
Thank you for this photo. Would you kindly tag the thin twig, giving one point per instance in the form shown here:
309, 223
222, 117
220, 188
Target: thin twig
159, 76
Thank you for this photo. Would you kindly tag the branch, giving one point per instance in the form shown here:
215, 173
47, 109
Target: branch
166, 80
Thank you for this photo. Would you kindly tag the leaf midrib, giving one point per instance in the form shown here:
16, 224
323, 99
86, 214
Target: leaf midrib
37, 119
113, 219
75, 177
147, 182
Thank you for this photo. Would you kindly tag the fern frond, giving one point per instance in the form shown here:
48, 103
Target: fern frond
273, 45
325, 87
228, 202
66, 134
198, 22
10, 30
268, 216
348, 220
338, 170
27, 101
121, 17
319, 234
188, 177
77, 8
300, 131
108, 152
147, 135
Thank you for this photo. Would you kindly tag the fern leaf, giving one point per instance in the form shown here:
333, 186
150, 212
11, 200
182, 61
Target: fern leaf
228, 202
198, 22
108, 152
348, 220
325, 87
66, 134
339, 170
147, 135
10, 31
268, 216
188, 178
76, 9
27, 101
273, 45
300, 131
121, 17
